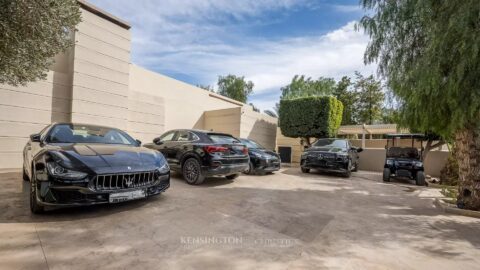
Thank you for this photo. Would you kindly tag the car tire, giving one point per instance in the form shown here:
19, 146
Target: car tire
35, 208
420, 178
355, 169
250, 170
192, 172
232, 176
305, 170
25, 175
386, 175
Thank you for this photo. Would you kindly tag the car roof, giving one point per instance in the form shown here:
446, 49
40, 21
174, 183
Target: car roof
82, 124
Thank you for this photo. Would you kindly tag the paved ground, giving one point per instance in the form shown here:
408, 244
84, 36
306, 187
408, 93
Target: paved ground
283, 221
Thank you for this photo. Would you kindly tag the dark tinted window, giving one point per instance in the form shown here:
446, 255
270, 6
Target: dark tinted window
331, 143
167, 136
68, 133
251, 144
222, 138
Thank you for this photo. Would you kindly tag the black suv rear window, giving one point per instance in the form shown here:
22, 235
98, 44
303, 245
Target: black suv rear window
222, 138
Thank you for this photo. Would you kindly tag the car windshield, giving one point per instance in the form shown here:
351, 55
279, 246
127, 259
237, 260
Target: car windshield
222, 138
331, 143
71, 133
251, 144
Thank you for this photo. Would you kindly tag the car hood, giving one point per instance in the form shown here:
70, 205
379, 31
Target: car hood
104, 158
263, 151
326, 149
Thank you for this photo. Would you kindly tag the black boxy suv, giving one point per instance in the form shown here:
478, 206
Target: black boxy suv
198, 154
336, 155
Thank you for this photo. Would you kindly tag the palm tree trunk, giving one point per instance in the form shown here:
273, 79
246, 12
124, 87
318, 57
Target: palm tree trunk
468, 155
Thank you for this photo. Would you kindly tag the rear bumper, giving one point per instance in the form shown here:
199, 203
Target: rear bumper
65, 196
226, 169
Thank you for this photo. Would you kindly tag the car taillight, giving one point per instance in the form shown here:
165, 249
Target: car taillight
245, 150
214, 149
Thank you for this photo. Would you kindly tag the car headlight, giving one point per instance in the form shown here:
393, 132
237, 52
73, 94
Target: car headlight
390, 162
417, 164
58, 171
164, 169
258, 155
343, 157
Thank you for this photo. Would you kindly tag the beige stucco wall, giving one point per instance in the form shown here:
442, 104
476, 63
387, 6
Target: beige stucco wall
243, 122
184, 104
101, 72
374, 159
25, 110
258, 127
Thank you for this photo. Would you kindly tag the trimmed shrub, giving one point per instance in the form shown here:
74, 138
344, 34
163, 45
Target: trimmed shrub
308, 117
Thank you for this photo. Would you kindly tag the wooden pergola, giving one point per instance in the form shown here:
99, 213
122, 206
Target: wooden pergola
368, 129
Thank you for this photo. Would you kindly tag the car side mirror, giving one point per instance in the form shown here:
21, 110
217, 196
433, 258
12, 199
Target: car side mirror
139, 143
360, 149
35, 137
157, 141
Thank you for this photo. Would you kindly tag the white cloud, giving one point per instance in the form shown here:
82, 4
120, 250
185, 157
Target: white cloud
200, 38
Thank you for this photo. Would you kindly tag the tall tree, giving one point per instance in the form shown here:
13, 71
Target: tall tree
235, 87
349, 98
370, 98
300, 86
31, 34
429, 52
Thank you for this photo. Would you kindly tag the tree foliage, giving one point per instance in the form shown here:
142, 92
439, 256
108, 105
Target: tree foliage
31, 34
370, 99
206, 87
270, 113
235, 87
429, 52
349, 98
308, 117
300, 86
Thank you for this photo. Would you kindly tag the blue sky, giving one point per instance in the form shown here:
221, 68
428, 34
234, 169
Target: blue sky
267, 41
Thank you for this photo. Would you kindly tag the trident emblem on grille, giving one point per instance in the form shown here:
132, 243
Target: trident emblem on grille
129, 180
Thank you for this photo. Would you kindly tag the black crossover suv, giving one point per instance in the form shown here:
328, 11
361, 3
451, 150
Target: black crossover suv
336, 155
76, 164
261, 159
198, 154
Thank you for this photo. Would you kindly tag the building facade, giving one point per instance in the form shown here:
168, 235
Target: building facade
95, 82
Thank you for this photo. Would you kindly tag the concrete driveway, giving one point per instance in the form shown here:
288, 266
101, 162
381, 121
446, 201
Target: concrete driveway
287, 220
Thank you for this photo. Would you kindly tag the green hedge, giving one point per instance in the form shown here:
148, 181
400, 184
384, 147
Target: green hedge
318, 117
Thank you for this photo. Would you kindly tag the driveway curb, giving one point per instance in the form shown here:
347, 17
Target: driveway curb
452, 209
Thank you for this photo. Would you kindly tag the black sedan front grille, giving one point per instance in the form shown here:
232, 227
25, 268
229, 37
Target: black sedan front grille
106, 182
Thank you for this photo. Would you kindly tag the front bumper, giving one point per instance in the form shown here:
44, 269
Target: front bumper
54, 193
326, 165
267, 165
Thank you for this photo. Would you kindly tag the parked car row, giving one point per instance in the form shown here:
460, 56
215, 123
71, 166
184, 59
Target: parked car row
71, 164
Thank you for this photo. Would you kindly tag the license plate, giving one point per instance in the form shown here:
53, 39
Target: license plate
126, 196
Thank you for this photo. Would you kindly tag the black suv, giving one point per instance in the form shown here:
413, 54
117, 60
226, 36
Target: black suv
404, 161
261, 159
336, 155
198, 154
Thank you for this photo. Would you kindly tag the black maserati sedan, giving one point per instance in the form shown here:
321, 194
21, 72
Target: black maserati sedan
198, 154
261, 159
336, 155
76, 164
